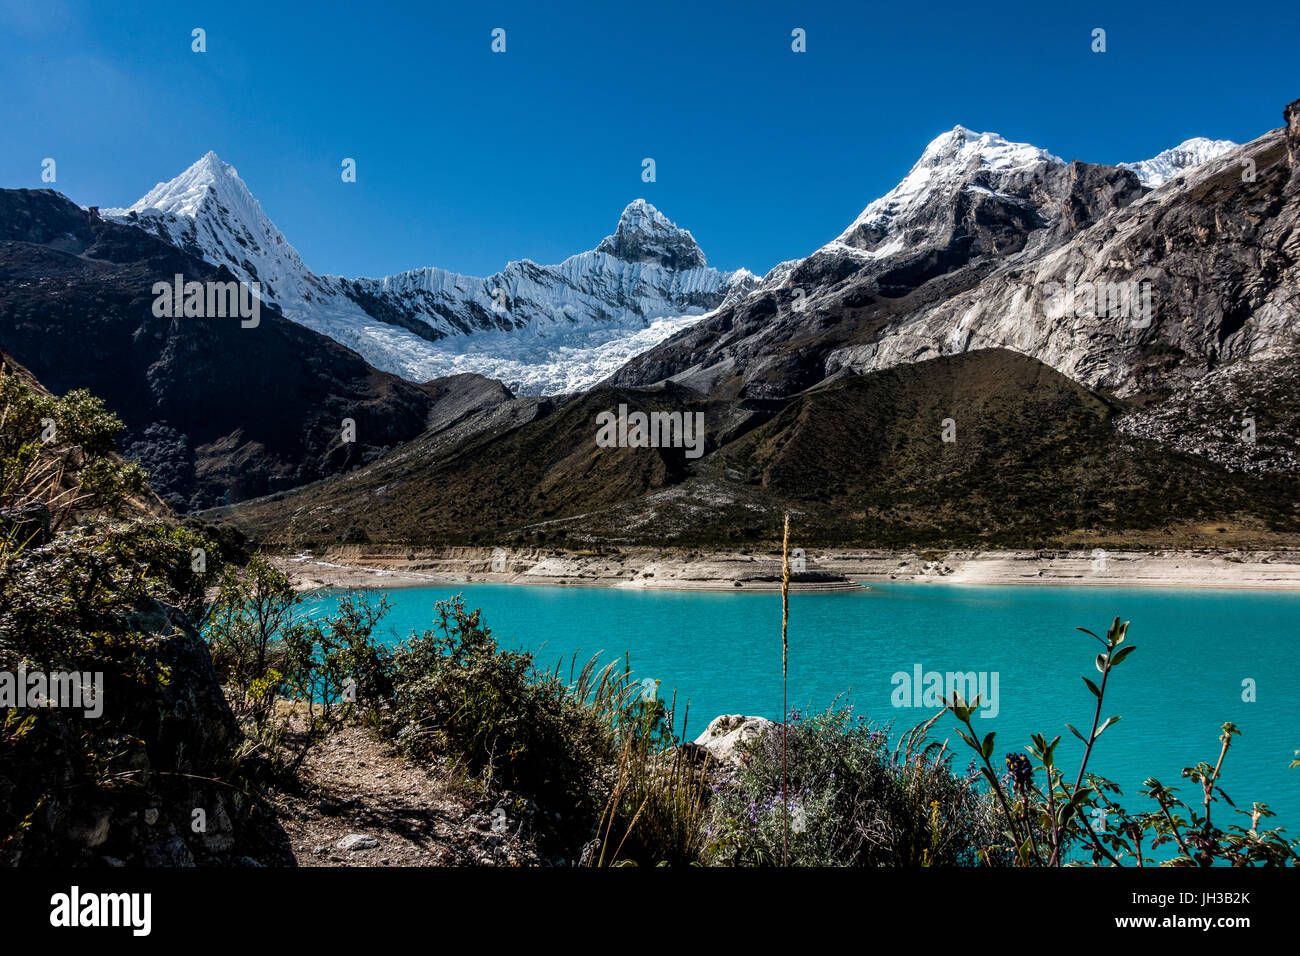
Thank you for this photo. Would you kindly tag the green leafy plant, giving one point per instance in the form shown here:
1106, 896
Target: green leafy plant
1048, 821
290, 677
58, 451
252, 620
335, 670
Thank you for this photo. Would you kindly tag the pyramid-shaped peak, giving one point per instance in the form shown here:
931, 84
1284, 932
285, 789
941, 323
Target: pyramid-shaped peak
185, 195
641, 214
213, 163
644, 234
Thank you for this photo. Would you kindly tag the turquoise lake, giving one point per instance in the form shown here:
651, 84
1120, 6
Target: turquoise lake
722, 653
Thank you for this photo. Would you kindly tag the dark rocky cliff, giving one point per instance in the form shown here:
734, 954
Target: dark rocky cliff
215, 411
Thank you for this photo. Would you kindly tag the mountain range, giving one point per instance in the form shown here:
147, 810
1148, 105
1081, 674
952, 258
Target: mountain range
543, 329
968, 251
215, 411
827, 390
540, 329
1098, 340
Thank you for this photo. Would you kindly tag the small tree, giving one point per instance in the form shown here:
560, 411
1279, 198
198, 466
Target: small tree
255, 610
334, 669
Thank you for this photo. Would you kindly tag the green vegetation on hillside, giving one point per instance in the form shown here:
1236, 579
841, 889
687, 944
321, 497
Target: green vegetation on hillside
1032, 460
86, 589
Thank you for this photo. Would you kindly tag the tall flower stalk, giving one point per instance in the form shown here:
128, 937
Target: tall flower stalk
785, 660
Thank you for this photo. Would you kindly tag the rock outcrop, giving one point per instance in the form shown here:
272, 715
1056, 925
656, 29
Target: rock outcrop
160, 799
1292, 116
644, 234
726, 736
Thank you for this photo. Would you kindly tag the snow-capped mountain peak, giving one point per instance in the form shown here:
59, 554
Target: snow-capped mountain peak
210, 212
1164, 166
541, 329
640, 216
209, 186
953, 161
962, 146
644, 234
185, 195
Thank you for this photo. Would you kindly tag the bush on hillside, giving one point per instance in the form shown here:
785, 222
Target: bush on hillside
851, 800
457, 693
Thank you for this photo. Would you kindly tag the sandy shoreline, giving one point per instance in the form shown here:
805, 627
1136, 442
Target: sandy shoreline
817, 570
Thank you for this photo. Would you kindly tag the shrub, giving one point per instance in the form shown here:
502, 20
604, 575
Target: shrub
292, 678
495, 714
81, 591
850, 800
58, 451
248, 628
75, 598
334, 669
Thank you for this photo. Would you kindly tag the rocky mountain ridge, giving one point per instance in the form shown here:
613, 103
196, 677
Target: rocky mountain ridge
1034, 460
985, 244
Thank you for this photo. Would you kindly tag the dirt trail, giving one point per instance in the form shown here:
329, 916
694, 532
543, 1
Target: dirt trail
360, 803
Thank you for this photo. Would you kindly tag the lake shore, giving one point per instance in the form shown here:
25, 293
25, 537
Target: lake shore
360, 567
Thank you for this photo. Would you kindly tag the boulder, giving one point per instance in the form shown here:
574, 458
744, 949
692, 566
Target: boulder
724, 735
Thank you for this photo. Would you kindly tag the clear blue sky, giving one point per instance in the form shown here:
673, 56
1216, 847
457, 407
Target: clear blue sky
467, 159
